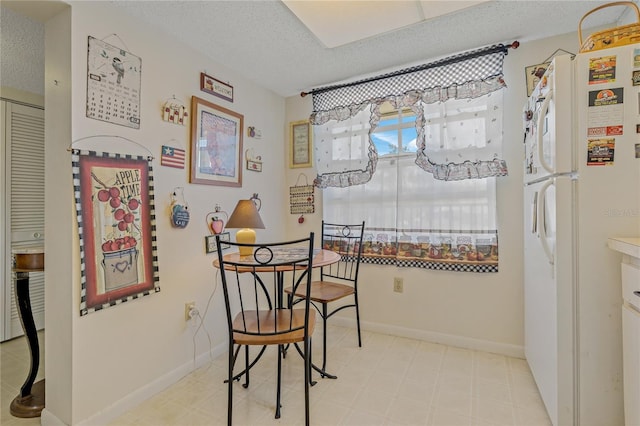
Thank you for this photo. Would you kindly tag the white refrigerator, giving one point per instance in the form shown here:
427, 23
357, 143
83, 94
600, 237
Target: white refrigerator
581, 186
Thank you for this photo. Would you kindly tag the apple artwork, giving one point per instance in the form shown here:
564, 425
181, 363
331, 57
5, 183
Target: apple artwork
119, 214
115, 202
217, 225
124, 210
301, 219
216, 220
103, 195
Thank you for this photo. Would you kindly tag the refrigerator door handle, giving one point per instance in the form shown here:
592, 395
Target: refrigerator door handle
542, 113
534, 214
542, 230
570, 175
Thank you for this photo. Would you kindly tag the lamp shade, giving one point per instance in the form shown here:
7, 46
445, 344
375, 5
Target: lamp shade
245, 215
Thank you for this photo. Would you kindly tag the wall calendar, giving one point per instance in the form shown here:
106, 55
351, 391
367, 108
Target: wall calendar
113, 84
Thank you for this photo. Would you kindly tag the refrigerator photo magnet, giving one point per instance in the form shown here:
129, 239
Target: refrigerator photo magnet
606, 112
602, 70
600, 151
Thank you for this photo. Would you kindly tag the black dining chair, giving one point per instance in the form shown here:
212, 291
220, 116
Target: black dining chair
337, 281
250, 283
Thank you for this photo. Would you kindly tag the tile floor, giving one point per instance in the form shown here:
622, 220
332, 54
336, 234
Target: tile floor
389, 381
14, 367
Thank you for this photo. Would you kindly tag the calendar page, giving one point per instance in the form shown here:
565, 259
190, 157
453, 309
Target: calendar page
113, 84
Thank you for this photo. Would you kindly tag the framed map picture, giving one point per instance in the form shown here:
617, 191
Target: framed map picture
216, 144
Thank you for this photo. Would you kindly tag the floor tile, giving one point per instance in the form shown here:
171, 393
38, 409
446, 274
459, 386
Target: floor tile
388, 381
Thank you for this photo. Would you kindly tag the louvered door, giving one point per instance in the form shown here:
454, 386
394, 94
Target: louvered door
23, 129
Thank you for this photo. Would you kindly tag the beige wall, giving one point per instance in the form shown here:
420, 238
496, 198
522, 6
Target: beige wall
480, 311
60, 242
100, 364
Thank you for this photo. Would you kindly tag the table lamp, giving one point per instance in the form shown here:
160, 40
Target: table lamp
246, 218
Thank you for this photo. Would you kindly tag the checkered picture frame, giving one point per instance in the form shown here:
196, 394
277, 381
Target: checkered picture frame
75, 164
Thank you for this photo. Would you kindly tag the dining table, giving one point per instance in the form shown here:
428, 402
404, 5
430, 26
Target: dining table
321, 257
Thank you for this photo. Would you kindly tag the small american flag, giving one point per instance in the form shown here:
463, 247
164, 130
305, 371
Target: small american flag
172, 157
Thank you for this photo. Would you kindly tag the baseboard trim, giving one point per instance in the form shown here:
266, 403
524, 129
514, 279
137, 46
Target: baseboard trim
435, 337
132, 400
47, 418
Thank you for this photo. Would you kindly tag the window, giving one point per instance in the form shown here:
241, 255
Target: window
415, 153
413, 219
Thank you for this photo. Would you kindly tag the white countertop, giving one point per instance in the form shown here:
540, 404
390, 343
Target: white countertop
626, 245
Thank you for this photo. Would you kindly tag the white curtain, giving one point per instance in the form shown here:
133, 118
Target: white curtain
413, 219
463, 90
425, 183
462, 138
343, 154
415, 155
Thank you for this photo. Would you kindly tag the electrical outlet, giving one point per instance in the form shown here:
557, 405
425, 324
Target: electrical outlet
398, 284
188, 307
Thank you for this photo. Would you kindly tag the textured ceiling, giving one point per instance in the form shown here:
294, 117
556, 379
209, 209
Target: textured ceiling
266, 43
22, 52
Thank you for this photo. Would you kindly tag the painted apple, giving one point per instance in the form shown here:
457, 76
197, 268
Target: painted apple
217, 225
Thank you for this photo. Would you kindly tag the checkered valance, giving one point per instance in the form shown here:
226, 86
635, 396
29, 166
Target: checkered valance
455, 91
458, 70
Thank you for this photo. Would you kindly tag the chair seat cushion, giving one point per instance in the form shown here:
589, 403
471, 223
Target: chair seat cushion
324, 291
266, 321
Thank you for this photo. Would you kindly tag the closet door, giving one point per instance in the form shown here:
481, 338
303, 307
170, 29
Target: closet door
23, 148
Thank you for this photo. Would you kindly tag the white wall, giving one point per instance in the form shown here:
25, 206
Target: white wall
481, 311
100, 364
59, 290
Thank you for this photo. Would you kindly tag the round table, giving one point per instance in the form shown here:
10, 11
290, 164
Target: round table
321, 258
30, 401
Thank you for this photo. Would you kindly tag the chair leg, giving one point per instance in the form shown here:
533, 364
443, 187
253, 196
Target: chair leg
246, 367
307, 378
230, 385
358, 318
311, 381
324, 337
280, 348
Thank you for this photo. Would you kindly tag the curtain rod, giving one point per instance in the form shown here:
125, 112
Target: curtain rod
446, 61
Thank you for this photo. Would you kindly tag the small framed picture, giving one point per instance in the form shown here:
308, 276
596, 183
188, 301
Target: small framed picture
216, 87
533, 74
300, 144
210, 242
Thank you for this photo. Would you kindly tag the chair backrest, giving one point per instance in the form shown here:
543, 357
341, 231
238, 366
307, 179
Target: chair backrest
255, 283
347, 241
